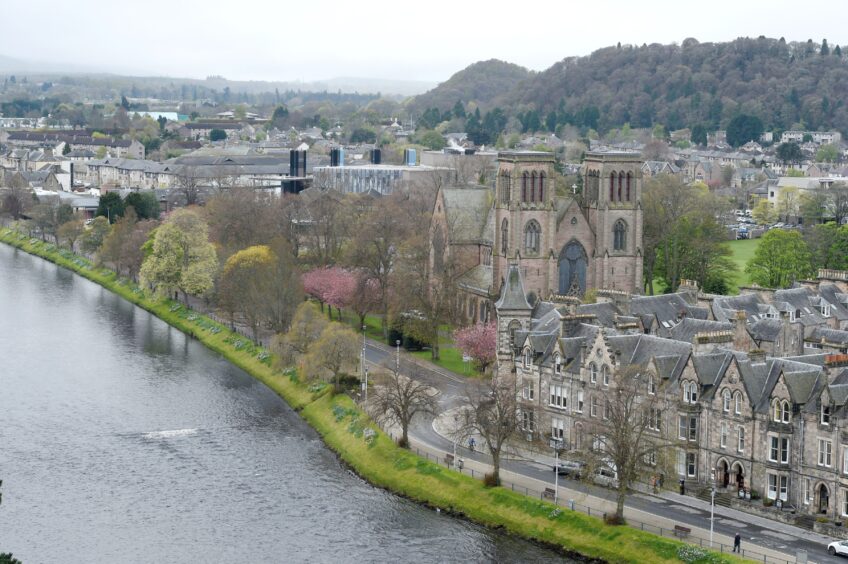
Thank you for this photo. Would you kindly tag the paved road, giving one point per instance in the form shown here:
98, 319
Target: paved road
756, 532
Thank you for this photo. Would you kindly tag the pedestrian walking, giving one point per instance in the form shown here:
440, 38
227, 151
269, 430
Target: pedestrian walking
471, 443
737, 543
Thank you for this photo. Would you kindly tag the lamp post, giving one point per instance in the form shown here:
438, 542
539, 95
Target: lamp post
712, 505
363, 371
455, 432
397, 361
556, 444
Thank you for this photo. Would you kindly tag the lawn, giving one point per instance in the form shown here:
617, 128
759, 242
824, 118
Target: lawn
743, 251
450, 359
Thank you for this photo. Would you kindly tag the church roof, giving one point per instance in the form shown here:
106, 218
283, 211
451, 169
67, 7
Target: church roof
512, 293
467, 211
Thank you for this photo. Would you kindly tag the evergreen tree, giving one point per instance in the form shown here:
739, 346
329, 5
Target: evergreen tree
837, 51
459, 109
825, 50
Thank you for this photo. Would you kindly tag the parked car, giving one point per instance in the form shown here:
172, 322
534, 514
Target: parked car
571, 468
604, 476
838, 547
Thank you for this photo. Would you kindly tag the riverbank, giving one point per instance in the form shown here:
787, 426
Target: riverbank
372, 454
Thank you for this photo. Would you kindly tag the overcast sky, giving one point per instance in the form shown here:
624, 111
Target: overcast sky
426, 40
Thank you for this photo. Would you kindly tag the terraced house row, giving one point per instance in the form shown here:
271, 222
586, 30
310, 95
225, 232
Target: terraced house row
751, 390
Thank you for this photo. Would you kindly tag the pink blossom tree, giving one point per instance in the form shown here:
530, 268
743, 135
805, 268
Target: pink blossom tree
366, 296
331, 285
479, 342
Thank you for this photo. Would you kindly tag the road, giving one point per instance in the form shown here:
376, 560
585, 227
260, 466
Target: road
756, 531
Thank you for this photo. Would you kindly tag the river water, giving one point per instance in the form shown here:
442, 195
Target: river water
123, 441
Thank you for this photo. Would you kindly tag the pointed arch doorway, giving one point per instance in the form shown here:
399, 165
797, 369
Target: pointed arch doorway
572, 269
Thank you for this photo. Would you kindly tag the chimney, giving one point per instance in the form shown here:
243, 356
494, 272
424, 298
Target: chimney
376, 156
72, 177
740, 330
757, 356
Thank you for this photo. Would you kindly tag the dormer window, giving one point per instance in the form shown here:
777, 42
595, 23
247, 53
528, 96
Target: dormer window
825, 414
557, 365
652, 385
690, 392
782, 411
825, 310
593, 373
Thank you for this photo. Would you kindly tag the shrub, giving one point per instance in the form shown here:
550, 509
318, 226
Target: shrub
822, 520
767, 502
490, 481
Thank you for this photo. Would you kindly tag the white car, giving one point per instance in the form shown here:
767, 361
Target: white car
838, 547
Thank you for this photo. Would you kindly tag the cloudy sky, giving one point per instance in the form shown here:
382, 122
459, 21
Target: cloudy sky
426, 40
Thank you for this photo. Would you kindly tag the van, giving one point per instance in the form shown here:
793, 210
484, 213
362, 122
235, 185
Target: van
604, 476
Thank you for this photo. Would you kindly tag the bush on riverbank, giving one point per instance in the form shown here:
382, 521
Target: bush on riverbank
373, 454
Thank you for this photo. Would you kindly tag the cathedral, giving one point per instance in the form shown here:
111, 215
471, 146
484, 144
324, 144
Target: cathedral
564, 244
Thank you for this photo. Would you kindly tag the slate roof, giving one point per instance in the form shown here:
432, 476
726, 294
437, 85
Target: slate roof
765, 329
689, 327
512, 293
827, 334
467, 211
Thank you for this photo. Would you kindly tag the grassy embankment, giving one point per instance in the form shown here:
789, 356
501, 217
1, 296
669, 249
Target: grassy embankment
345, 429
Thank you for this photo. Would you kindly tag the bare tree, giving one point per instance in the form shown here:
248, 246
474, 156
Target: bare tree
628, 439
398, 399
839, 201
188, 185
16, 200
493, 413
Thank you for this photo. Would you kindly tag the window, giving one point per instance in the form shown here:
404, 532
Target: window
694, 392
528, 421
772, 486
784, 488
687, 395
740, 439
688, 428
579, 401
505, 188
845, 503
559, 396
845, 460
593, 408
541, 186
723, 435
825, 414
504, 236
629, 177
533, 186
655, 419
726, 401
808, 491
593, 373
693, 428
529, 391
527, 358
682, 427
605, 374
738, 407
557, 365
524, 178
785, 412
606, 409
619, 235
612, 187
779, 449
825, 453
690, 464
776, 411
652, 385
778, 487
532, 233
557, 428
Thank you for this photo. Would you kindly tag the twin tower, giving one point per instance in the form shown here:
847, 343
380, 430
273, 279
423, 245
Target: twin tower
567, 240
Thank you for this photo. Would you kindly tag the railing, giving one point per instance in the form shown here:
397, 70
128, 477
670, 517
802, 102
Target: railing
446, 460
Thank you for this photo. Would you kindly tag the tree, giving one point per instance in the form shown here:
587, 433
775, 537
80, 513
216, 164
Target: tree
181, 258
187, 185
825, 50
145, 203
110, 206
493, 413
699, 135
8, 558
366, 296
217, 135
781, 258
280, 117
49, 214
459, 109
837, 51
335, 350
71, 231
812, 206
764, 212
240, 217
822, 240
478, 341
788, 201
112, 249
94, 235
363, 135
789, 153
306, 326
246, 282
433, 140
331, 285
17, 200
744, 128
627, 439
838, 202
398, 399
827, 153
66, 149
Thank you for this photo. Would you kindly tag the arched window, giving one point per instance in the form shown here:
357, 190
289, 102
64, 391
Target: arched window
612, 187
726, 401
785, 412
505, 195
629, 177
504, 236
593, 373
776, 410
541, 186
737, 397
524, 187
532, 234
605, 375
533, 187
620, 184
619, 235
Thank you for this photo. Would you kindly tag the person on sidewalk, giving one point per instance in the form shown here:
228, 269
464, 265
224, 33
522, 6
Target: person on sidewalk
737, 543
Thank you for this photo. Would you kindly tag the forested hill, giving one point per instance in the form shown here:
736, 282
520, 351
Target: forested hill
785, 84
481, 82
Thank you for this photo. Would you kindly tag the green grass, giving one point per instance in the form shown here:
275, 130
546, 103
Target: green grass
346, 430
743, 251
450, 358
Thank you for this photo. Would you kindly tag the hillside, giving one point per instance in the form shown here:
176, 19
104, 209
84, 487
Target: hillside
481, 82
784, 84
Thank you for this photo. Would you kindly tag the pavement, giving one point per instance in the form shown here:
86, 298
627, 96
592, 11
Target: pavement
762, 539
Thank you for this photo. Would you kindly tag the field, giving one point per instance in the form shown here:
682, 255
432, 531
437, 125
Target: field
743, 250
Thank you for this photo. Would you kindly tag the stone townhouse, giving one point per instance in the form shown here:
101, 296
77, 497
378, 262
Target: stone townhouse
753, 423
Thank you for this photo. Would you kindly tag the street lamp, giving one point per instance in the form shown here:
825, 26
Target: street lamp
712, 504
455, 433
363, 371
556, 444
397, 362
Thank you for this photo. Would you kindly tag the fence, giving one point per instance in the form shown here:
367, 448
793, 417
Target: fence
693, 539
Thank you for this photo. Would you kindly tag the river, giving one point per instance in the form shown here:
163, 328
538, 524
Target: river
121, 440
